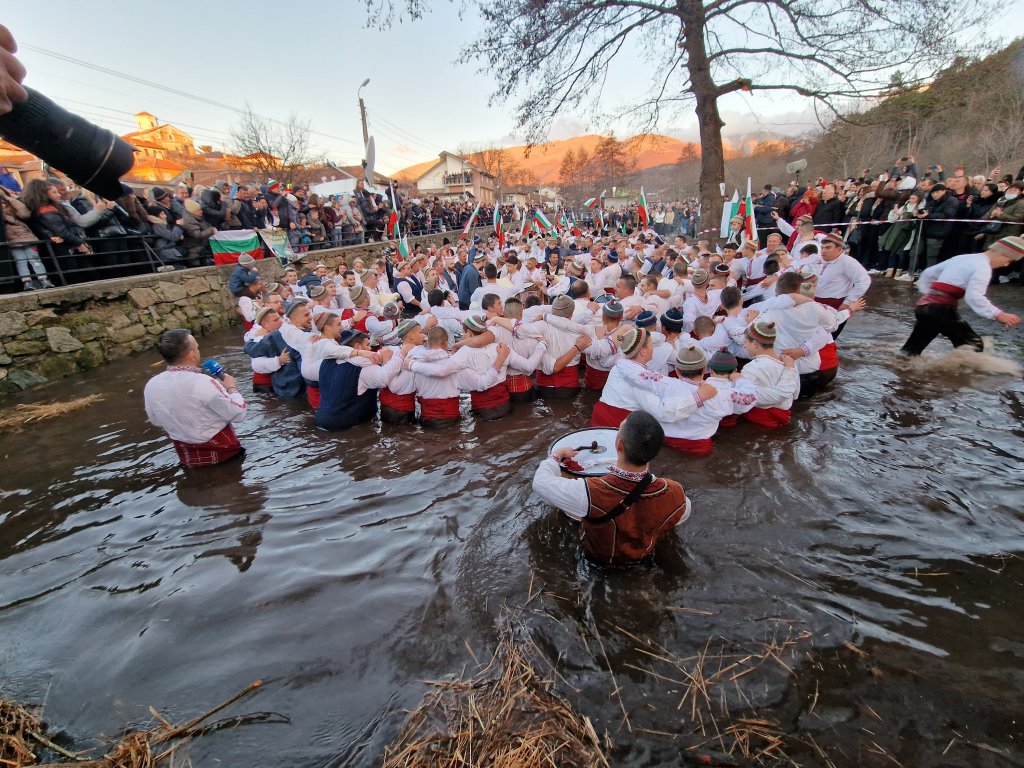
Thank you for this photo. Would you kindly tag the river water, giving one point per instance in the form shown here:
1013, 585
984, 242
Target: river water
344, 570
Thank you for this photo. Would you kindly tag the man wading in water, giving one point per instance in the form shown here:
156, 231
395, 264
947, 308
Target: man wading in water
962, 277
624, 513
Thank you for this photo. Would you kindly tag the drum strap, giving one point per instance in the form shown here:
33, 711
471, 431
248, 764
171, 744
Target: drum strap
627, 501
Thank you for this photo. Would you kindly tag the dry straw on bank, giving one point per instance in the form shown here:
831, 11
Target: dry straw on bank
23, 415
136, 749
505, 716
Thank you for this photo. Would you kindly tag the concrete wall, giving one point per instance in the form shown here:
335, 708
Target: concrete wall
46, 335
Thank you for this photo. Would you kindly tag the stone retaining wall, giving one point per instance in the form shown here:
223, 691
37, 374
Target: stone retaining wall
46, 335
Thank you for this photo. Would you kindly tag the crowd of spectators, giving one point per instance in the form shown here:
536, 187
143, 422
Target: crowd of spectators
896, 223
901, 221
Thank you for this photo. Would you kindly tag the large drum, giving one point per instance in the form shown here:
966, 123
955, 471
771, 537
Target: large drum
596, 451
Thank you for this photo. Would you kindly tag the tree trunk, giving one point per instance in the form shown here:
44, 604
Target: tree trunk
705, 93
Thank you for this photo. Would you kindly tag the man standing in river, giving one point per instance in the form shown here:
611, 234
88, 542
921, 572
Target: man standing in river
196, 410
623, 513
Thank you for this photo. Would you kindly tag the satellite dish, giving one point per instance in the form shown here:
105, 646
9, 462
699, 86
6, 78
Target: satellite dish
796, 166
368, 162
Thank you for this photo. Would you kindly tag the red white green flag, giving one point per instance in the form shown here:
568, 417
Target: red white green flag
540, 220
471, 222
749, 225
227, 246
641, 209
498, 229
590, 203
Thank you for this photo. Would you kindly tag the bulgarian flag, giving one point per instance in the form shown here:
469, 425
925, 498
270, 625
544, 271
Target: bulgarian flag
471, 222
600, 219
227, 246
590, 203
540, 220
393, 231
749, 225
498, 228
729, 209
641, 209
403, 246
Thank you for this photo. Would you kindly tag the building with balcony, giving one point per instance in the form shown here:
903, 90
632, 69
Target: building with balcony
452, 176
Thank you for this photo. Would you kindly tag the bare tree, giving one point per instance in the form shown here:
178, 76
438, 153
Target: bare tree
273, 147
554, 55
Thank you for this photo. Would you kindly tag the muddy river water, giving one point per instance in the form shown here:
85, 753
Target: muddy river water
882, 531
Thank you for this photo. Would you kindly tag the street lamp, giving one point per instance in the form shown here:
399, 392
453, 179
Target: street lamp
362, 111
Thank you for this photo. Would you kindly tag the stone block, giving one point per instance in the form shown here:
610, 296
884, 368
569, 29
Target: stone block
12, 323
91, 355
143, 297
170, 291
61, 340
18, 347
33, 334
24, 379
124, 335
191, 312
43, 317
89, 332
56, 366
5, 359
118, 320
196, 286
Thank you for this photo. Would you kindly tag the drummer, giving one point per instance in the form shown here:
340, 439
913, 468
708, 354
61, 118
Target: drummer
623, 513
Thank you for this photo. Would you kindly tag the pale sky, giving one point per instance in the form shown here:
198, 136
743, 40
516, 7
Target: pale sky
310, 58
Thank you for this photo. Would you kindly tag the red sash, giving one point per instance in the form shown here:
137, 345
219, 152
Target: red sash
595, 378
439, 407
692, 447
605, 415
313, 396
754, 280
729, 421
517, 384
405, 403
568, 377
218, 449
248, 325
489, 398
773, 418
834, 303
262, 380
946, 294
829, 357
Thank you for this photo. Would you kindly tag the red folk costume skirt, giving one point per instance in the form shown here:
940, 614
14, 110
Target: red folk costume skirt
406, 403
490, 398
439, 408
218, 449
568, 377
829, 357
517, 384
605, 415
262, 380
313, 395
693, 447
595, 378
772, 418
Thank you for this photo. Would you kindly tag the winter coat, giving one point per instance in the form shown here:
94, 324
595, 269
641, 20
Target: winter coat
801, 208
16, 216
945, 208
49, 222
1013, 213
830, 212
196, 233
215, 210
